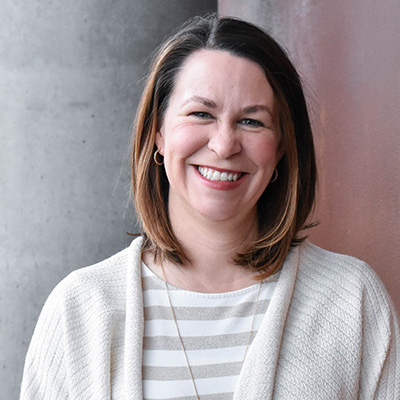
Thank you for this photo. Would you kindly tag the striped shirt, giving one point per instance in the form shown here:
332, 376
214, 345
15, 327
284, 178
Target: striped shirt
215, 329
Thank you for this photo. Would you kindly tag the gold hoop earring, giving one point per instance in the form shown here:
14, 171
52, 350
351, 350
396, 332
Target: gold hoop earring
275, 176
155, 158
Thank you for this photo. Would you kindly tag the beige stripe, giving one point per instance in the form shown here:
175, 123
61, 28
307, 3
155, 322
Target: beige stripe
152, 283
217, 396
196, 342
181, 373
204, 313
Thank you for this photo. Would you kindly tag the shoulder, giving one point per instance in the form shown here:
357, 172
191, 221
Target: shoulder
341, 320
103, 284
81, 319
343, 285
336, 269
88, 300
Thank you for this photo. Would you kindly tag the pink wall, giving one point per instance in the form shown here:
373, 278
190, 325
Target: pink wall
348, 53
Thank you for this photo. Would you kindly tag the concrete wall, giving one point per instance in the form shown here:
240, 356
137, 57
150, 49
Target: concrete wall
69, 77
349, 55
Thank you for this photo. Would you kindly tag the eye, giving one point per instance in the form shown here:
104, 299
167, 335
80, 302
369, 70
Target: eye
201, 114
251, 122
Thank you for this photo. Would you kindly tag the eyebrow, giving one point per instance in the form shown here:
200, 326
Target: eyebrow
198, 99
258, 107
211, 104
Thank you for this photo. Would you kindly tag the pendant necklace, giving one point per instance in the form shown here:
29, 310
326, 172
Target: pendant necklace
180, 337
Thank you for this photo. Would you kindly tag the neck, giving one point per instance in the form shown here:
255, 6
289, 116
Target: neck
211, 247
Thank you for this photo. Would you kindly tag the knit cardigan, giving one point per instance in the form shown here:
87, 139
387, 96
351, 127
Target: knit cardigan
330, 332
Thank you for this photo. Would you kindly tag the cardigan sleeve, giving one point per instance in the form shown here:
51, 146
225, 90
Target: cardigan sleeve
77, 348
341, 338
380, 363
44, 375
389, 381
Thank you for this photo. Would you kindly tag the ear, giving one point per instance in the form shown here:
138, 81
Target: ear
280, 152
160, 141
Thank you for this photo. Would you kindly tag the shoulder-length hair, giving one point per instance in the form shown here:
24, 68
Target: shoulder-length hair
285, 205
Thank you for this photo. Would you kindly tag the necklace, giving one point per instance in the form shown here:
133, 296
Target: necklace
180, 337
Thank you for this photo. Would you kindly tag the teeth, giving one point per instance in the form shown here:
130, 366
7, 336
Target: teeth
214, 175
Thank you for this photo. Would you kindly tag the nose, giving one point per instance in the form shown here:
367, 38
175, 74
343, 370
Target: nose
225, 141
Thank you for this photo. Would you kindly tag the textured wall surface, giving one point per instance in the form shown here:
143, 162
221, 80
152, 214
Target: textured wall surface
69, 76
348, 53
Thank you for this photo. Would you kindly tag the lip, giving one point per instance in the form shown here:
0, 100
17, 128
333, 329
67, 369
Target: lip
221, 185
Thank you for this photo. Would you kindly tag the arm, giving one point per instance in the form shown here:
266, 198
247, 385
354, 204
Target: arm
380, 363
45, 371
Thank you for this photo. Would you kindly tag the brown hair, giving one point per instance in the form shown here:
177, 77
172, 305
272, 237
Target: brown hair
285, 205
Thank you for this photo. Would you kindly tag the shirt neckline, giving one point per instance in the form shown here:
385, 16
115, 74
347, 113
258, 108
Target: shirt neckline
233, 293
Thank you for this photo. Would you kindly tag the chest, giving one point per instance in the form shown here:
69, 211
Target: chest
199, 334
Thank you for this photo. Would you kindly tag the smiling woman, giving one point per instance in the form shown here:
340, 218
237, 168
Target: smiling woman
210, 77
221, 122
221, 297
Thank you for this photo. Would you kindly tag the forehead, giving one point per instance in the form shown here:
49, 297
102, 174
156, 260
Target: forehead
222, 74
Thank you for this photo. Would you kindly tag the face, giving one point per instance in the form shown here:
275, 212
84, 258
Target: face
219, 137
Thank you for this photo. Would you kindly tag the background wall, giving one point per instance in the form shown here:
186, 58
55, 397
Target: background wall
348, 53
70, 76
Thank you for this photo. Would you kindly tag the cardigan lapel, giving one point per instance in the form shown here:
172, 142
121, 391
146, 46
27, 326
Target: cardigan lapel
134, 327
257, 378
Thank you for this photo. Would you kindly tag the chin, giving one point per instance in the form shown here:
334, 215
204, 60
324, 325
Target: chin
221, 214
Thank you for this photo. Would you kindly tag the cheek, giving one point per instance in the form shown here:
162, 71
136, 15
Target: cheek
264, 150
185, 140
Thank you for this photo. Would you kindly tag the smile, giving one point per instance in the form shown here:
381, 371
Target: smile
214, 175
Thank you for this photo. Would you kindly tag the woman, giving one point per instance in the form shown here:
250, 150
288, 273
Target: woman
221, 297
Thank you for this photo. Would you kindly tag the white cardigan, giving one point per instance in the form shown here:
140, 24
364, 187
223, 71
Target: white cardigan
330, 332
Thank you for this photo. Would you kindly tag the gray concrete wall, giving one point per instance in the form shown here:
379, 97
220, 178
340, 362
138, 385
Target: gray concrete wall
69, 77
349, 56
